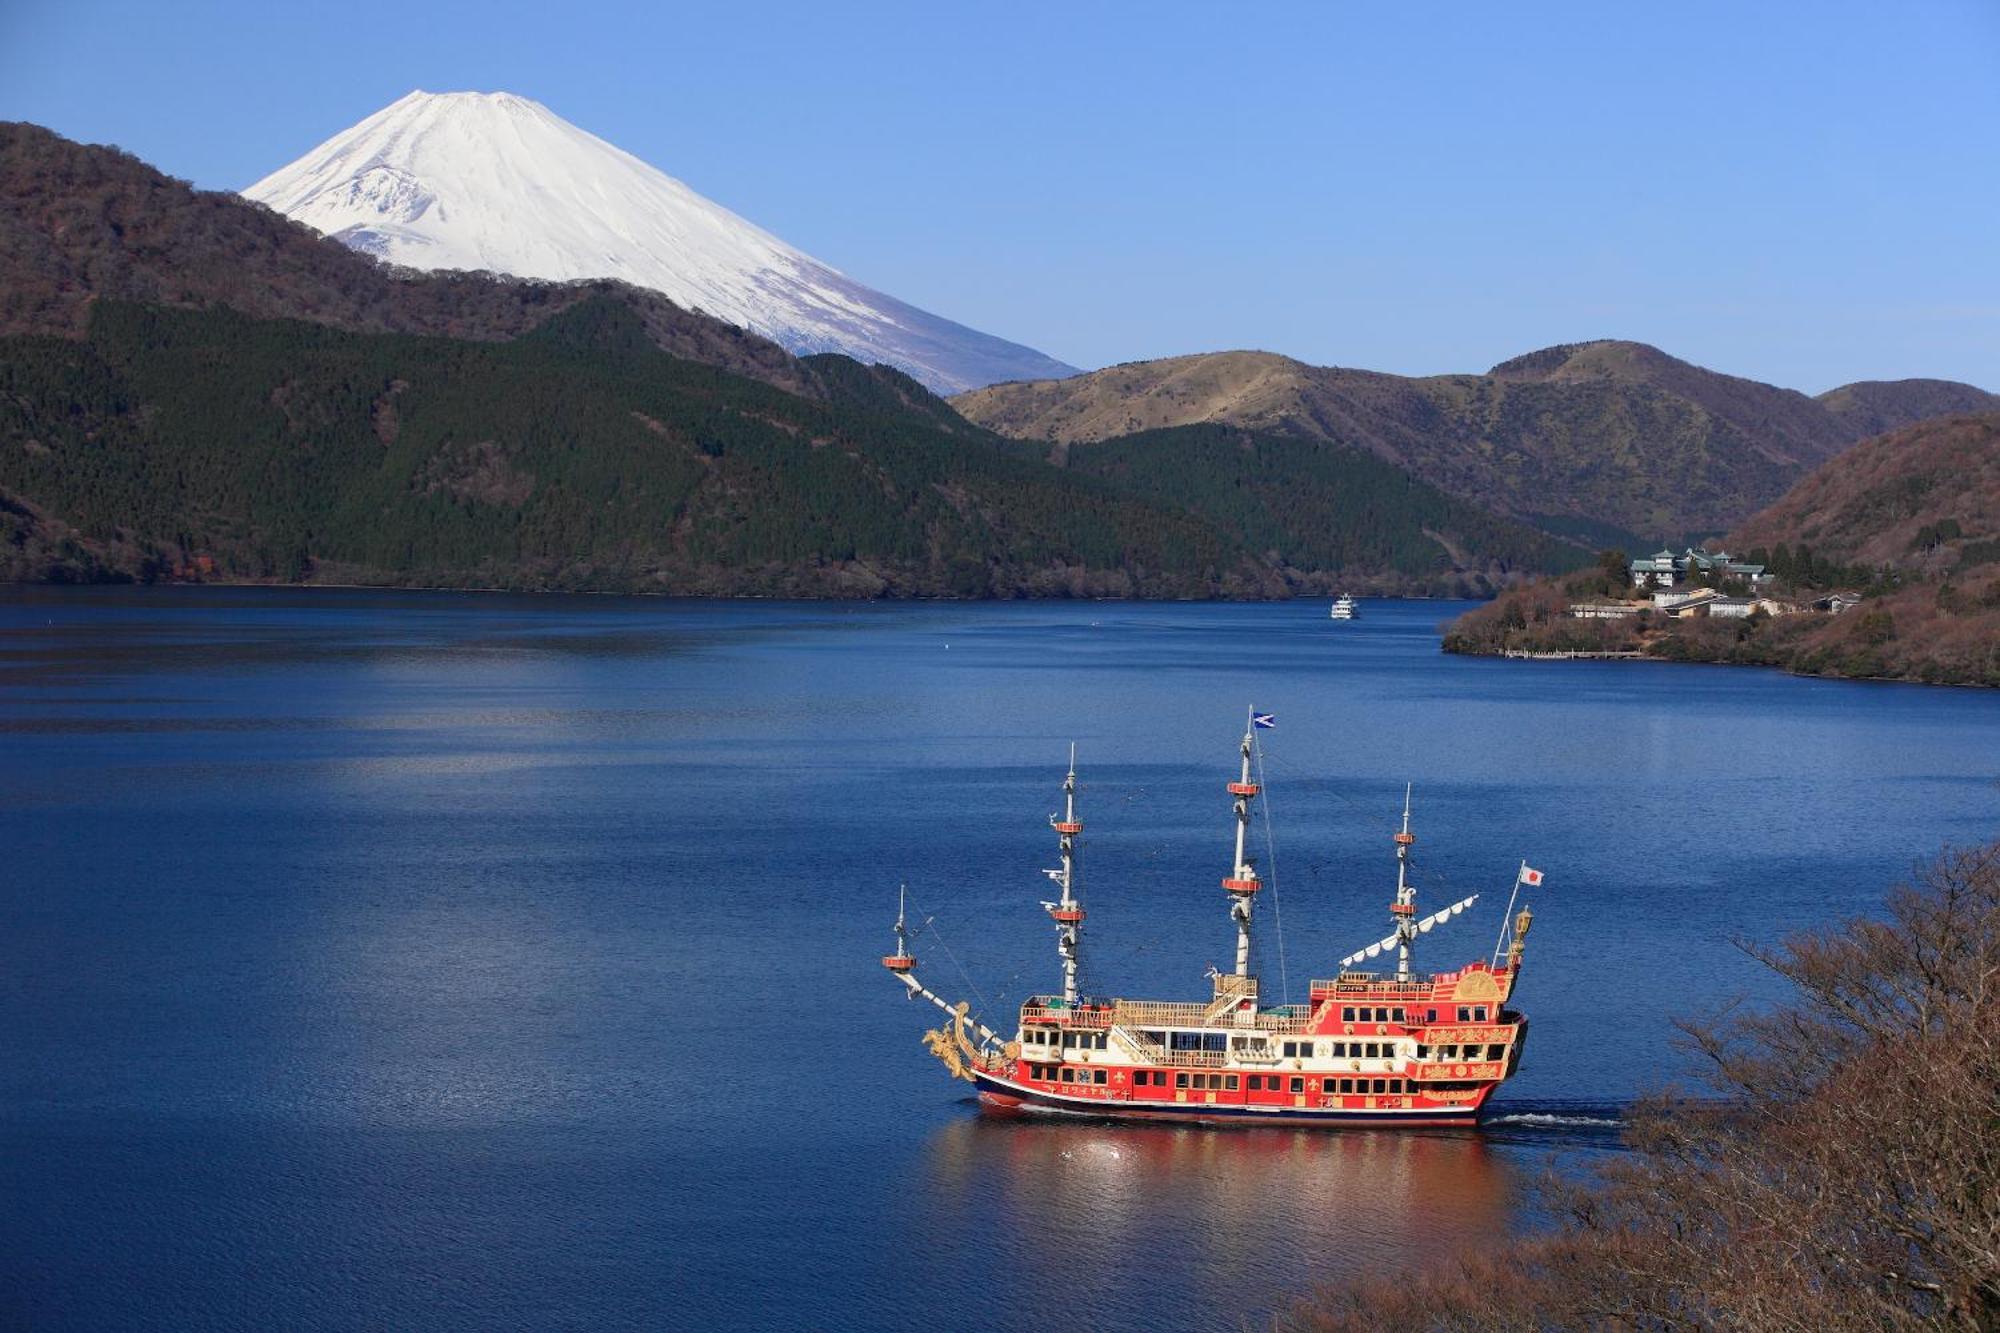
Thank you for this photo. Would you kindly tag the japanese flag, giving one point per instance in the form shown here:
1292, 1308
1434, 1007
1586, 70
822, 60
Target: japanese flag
1531, 877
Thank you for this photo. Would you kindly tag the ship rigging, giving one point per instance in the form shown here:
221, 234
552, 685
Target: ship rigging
1367, 1048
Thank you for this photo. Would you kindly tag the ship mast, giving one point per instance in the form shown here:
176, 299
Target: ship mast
1403, 912
902, 961
1067, 912
1243, 883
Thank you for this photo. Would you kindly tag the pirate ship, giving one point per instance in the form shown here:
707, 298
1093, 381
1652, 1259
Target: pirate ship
1369, 1047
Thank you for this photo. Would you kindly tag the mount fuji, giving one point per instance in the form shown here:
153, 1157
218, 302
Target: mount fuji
498, 182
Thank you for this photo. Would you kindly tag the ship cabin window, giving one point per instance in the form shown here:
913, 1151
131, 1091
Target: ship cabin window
1395, 1015
1372, 1050
1257, 1083
1347, 1085
1479, 1014
1430, 1015
1423, 1051
1464, 1014
1231, 1080
1180, 1080
1347, 1014
1497, 1051
1097, 1076
1381, 1085
1298, 1085
1068, 1074
1328, 1084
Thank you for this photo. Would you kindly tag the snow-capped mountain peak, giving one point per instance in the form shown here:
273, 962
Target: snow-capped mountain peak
500, 182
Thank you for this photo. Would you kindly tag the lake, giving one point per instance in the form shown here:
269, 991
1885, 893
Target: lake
468, 961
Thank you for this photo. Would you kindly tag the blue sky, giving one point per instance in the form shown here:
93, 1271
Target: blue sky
1804, 193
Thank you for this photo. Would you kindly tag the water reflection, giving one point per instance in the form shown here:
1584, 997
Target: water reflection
1203, 1223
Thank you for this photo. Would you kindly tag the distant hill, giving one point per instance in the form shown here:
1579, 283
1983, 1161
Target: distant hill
1875, 407
1924, 499
1604, 443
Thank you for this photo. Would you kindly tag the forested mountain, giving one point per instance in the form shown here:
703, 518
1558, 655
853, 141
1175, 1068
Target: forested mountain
174, 441
1607, 443
1329, 515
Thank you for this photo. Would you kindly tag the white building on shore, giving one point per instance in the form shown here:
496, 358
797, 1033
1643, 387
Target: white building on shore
1667, 570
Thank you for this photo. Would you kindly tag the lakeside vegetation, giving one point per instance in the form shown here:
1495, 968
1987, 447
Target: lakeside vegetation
1944, 633
1909, 522
1836, 1167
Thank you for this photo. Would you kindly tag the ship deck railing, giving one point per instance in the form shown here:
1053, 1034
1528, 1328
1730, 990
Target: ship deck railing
1165, 1014
1370, 988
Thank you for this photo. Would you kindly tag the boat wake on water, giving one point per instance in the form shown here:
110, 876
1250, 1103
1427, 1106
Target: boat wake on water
1552, 1120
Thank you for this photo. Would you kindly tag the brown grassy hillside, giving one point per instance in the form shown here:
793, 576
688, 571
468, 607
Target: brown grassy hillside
1606, 442
1924, 499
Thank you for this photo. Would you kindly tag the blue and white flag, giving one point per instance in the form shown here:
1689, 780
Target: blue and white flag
1265, 720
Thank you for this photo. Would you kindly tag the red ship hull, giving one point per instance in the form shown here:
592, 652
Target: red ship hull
1002, 1093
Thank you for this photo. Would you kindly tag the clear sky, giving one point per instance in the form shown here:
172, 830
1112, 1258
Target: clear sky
1806, 193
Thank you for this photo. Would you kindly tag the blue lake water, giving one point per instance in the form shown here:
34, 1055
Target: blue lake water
434, 961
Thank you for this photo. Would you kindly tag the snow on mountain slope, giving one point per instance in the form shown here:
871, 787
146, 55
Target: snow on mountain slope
499, 182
